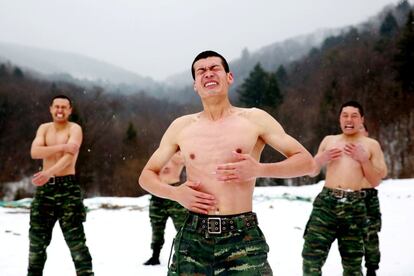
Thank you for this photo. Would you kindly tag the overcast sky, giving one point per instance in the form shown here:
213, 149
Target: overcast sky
159, 38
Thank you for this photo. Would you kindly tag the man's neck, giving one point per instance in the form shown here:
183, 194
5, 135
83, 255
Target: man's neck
60, 125
352, 137
216, 111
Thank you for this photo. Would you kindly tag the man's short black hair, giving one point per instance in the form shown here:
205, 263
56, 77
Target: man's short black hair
353, 104
207, 54
61, 97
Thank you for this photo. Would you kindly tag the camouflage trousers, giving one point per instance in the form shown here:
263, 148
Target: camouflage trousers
159, 211
371, 241
220, 245
335, 216
61, 202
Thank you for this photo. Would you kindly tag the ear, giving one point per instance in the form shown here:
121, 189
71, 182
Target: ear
230, 77
194, 86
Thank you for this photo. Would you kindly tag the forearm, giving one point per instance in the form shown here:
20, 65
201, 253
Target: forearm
61, 164
151, 182
41, 152
318, 165
299, 164
371, 174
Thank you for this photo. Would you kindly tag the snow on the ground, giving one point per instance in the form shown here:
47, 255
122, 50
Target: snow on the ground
119, 235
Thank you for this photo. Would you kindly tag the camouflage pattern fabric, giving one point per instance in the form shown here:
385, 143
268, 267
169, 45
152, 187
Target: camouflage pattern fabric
371, 240
159, 211
333, 218
59, 202
241, 252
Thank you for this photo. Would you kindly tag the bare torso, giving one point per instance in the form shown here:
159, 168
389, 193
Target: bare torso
345, 172
55, 136
206, 144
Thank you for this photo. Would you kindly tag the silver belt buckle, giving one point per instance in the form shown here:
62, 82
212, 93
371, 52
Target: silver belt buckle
52, 181
214, 225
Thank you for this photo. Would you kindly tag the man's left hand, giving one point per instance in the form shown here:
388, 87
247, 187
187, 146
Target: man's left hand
245, 168
356, 152
41, 178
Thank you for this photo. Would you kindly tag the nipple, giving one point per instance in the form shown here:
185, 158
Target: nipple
192, 156
238, 150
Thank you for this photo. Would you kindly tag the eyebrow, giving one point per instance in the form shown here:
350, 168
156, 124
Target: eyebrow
207, 67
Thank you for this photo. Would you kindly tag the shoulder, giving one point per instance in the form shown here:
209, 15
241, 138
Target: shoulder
184, 120
329, 138
252, 112
181, 123
74, 127
44, 127
372, 143
255, 115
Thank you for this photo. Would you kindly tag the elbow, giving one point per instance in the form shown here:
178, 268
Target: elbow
34, 154
141, 181
374, 185
312, 167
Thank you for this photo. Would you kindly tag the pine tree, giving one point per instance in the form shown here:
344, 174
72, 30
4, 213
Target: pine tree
131, 133
389, 26
260, 89
404, 59
251, 92
273, 97
281, 75
17, 72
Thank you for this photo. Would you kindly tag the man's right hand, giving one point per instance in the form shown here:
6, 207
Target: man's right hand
71, 148
328, 155
189, 196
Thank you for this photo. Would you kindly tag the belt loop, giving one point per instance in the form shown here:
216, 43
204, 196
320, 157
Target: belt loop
52, 180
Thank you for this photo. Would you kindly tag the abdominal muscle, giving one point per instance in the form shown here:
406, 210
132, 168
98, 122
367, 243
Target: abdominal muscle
345, 174
49, 162
231, 197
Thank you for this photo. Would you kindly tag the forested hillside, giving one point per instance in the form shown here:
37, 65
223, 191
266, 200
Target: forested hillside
373, 64
120, 131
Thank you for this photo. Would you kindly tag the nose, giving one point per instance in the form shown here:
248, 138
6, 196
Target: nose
208, 74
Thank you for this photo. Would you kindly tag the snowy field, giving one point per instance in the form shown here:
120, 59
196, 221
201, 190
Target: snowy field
119, 237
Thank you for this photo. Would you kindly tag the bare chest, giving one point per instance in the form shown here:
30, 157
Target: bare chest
345, 162
54, 137
213, 143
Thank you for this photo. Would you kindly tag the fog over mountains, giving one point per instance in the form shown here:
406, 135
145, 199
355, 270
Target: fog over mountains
64, 65
57, 65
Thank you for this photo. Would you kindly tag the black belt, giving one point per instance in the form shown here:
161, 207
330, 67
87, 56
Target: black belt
340, 194
61, 179
217, 225
370, 191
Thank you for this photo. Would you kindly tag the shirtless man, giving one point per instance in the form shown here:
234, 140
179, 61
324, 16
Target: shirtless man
339, 210
58, 196
161, 209
221, 146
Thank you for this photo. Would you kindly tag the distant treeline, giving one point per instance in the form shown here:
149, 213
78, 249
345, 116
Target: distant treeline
372, 65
